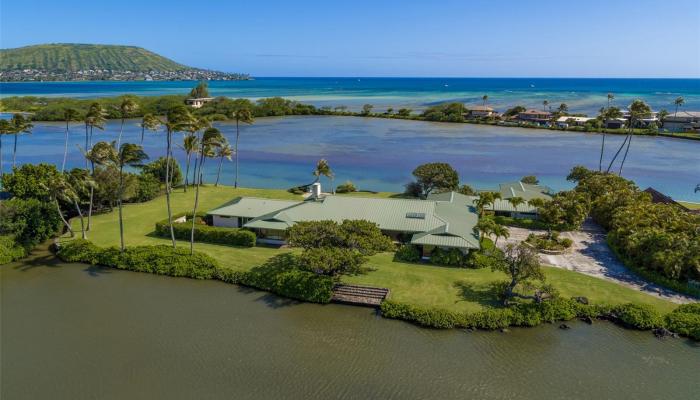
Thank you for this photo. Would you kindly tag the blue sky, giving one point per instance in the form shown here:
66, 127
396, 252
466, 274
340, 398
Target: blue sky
444, 38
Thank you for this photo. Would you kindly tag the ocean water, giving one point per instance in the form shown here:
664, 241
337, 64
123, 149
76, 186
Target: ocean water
379, 154
581, 95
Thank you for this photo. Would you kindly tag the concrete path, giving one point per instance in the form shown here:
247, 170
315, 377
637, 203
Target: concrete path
591, 255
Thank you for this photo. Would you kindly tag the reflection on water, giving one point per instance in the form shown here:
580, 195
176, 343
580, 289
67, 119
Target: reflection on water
70, 331
379, 154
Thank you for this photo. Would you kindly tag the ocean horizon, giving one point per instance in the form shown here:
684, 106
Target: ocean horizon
582, 95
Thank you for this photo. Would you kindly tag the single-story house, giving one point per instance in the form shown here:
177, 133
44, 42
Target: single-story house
617, 123
683, 121
535, 116
447, 221
567, 121
198, 102
522, 190
480, 112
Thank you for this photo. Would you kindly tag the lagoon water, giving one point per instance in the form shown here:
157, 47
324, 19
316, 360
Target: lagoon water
581, 95
379, 154
70, 331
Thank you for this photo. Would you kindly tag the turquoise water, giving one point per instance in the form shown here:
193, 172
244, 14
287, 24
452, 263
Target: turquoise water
582, 95
379, 154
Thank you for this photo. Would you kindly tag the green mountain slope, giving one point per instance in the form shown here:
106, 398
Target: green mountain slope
76, 57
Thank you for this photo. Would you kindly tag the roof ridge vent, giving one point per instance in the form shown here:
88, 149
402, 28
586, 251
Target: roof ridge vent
512, 191
521, 185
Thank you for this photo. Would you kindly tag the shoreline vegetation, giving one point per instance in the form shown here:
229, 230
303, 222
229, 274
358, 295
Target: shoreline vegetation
51, 109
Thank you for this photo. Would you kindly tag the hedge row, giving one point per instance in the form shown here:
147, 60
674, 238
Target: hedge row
685, 320
206, 233
10, 250
280, 275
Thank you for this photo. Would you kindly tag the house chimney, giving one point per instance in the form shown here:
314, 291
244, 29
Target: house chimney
316, 190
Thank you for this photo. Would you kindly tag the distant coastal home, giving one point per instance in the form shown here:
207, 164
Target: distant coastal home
535, 116
198, 102
567, 121
480, 112
445, 221
683, 121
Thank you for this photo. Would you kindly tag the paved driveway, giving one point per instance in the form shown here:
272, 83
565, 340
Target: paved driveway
591, 255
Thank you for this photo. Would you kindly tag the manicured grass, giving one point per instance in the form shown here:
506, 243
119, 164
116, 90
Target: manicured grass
692, 206
419, 284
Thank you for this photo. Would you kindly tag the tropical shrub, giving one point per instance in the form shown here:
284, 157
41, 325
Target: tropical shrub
639, 316
685, 320
361, 235
29, 221
407, 253
549, 242
347, 187
332, 261
427, 317
30, 181
451, 257
157, 169
148, 188
10, 250
205, 233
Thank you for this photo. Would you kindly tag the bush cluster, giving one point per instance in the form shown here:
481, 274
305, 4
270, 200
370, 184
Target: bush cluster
685, 320
545, 242
347, 187
640, 316
10, 250
206, 233
450, 257
407, 253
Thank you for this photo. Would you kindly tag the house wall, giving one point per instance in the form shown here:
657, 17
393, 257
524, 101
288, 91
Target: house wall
227, 222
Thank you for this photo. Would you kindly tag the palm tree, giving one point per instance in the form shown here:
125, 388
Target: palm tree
500, 231
190, 145
20, 124
126, 107
242, 114
198, 124
486, 198
324, 169
638, 110
6, 128
59, 188
678, 102
611, 97
69, 114
607, 115
178, 118
545, 104
150, 122
485, 98
96, 118
224, 151
79, 180
94, 156
211, 140
563, 108
515, 202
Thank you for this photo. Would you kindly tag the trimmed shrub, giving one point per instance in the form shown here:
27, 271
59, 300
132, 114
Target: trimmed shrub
491, 319
427, 317
639, 316
685, 320
407, 253
206, 233
452, 257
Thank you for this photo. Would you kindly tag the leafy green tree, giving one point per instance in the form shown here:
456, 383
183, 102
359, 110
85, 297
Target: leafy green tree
436, 177
245, 115
6, 128
367, 109
521, 264
332, 261
563, 109
20, 124
201, 90
223, 152
511, 112
158, 169
404, 112
29, 181
126, 108
212, 139
360, 235
467, 190
69, 115
566, 210
530, 179
29, 221
578, 173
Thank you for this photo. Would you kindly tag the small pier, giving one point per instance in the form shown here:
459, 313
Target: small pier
359, 295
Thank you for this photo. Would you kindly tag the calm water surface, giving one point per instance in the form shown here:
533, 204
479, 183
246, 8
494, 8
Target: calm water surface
70, 331
379, 154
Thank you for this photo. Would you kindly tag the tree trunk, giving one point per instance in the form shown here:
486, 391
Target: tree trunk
80, 214
14, 151
602, 150
187, 170
65, 150
196, 200
1, 168
508, 293
87, 139
58, 207
629, 142
92, 193
616, 154
119, 203
235, 185
218, 173
167, 186
121, 130
143, 131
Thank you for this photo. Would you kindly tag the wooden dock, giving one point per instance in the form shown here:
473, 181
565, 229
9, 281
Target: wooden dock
359, 295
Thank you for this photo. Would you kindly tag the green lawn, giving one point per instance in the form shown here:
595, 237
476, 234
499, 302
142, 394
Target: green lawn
692, 206
419, 284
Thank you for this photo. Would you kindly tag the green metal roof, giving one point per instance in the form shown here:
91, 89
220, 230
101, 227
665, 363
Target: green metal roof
449, 221
251, 207
524, 190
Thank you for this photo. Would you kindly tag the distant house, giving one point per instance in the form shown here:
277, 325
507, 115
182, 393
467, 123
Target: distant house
617, 123
198, 102
645, 122
444, 222
480, 112
535, 116
683, 121
567, 121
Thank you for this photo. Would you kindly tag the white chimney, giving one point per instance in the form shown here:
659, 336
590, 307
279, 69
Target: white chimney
316, 190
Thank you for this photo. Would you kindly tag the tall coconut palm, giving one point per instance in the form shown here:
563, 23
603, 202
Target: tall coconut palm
485, 198
190, 144
500, 231
607, 114
223, 151
638, 110
79, 180
97, 155
678, 102
199, 124
563, 108
484, 98
211, 140
126, 107
515, 202
59, 189
177, 119
245, 115
545, 104
97, 119
69, 115
6, 128
150, 122
20, 124
324, 169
